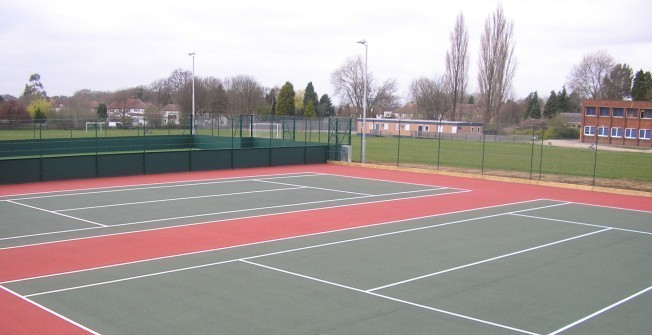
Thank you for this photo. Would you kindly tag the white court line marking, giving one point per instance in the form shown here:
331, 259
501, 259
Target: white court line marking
252, 243
289, 238
111, 189
177, 199
604, 206
600, 311
487, 260
212, 221
466, 317
313, 187
49, 311
55, 213
387, 181
287, 205
583, 224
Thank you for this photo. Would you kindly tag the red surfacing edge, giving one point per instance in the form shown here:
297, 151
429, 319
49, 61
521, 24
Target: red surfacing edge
39, 260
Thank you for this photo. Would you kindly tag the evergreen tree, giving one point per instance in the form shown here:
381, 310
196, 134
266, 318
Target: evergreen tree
642, 86
326, 107
102, 113
310, 110
285, 101
310, 95
617, 85
533, 109
563, 101
552, 106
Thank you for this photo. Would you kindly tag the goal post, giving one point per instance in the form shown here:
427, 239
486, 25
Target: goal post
267, 130
94, 125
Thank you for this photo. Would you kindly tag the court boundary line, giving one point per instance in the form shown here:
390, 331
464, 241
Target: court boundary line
584, 224
272, 241
319, 188
99, 225
207, 222
592, 315
48, 310
139, 187
462, 316
605, 206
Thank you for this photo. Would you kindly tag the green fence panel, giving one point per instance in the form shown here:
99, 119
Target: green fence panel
287, 156
72, 167
316, 154
120, 165
167, 162
14, 171
205, 160
252, 157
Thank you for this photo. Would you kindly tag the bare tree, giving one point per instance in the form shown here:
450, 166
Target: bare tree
587, 77
496, 65
457, 64
431, 97
348, 81
244, 94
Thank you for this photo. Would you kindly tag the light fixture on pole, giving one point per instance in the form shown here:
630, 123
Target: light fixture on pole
192, 116
363, 152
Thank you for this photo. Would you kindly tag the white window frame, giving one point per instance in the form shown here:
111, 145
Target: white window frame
631, 133
398, 127
613, 112
589, 130
606, 114
586, 111
643, 132
603, 131
618, 132
427, 129
407, 127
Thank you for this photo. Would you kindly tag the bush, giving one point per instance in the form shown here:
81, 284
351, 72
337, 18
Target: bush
562, 133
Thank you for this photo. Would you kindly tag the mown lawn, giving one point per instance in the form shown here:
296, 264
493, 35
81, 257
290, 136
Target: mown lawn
507, 156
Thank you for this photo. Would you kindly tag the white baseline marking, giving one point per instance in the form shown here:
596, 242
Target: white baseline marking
600, 311
583, 224
388, 181
55, 213
487, 260
173, 184
389, 298
604, 206
50, 311
177, 199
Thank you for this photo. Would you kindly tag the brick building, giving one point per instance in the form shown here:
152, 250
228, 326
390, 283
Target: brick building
617, 122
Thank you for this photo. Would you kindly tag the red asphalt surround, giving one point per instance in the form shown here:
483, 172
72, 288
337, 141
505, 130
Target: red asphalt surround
52, 258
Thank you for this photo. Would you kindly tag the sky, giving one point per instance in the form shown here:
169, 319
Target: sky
111, 45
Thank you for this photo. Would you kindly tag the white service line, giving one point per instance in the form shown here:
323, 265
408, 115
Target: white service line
487, 260
177, 199
55, 213
388, 298
600, 311
583, 224
313, 187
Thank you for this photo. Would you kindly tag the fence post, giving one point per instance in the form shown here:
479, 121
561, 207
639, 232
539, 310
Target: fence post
532, 153
595, 157
439, 142
541, 154
398, 154
484, 138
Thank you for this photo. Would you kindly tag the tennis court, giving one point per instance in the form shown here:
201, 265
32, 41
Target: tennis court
322, 249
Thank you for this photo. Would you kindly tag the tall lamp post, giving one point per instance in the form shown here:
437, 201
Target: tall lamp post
192, 116
363, 152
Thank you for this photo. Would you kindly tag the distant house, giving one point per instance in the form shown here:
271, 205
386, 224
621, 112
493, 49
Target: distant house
418, 128
571, 119
170, 114
132, 110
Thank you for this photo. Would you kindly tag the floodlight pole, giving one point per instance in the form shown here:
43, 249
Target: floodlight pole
364, 105
192, 116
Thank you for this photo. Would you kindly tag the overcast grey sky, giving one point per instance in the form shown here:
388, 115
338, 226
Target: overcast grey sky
110, 45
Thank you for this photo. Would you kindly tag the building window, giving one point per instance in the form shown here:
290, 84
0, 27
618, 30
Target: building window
603, 131
632, 113
604, 111
616, 132
427, 128
644, 134
590, 111
371, 126
386, 126
589, 130
617, 112
407, 127
398, 127
646, 114
630, 133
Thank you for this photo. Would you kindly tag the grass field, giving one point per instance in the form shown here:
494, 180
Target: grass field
507, 156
